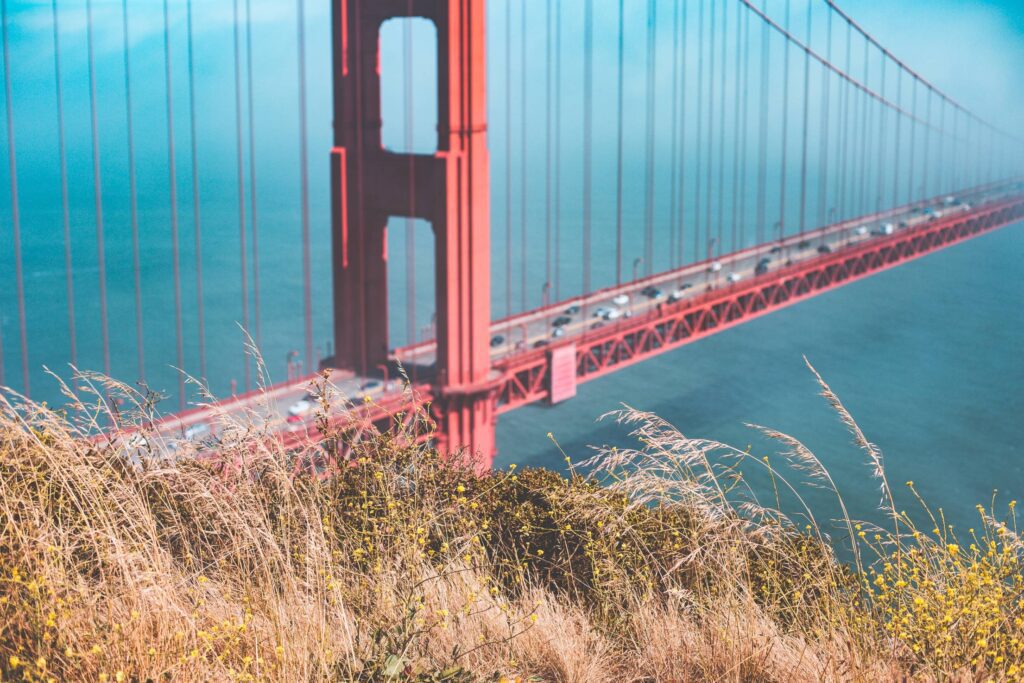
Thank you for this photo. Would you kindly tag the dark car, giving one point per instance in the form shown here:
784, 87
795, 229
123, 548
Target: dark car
561, 320
372, 384
776, 249
573, 310
824, 249
539, 343
803, 244
497, 340
651, 292
762, 266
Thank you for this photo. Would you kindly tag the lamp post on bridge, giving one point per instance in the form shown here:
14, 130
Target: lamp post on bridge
636, 264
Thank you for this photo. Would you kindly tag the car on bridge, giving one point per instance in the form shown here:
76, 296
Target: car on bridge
762, 266
497, 340
652, 292
561, 320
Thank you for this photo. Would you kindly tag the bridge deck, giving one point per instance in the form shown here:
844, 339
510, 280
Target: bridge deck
708, 299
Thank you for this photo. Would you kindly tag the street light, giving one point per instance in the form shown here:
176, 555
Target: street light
636, 264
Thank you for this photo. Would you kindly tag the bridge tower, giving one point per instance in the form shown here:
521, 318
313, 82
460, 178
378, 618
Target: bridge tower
451, 192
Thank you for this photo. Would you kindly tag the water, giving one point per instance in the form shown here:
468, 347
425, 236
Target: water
925, 356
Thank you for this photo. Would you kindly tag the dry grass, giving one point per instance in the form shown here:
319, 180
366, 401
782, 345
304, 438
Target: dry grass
122, 563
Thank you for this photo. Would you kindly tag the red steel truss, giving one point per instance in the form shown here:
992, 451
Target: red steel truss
599, 352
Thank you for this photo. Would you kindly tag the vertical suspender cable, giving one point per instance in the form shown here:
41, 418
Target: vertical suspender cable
882, 118
547, 156
15, 209
942, 147
708, 245
785, 129
736, 134
720, 212
652, 23
97, 189
762, 136
522, 160
558, 151
588, 97
927, 142
197, 224
826, 82
745, 107
133, 196
681, 220
65, 210
252, 175
913, 141
307, 295
410, 221
865, 109
240, 169
807, 123
618, 151
172, 174
508, 158
673, 165
698, 139
953, 154
899, 152
844, 164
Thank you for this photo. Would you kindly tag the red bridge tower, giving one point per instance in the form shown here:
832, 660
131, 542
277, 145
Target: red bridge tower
451, 192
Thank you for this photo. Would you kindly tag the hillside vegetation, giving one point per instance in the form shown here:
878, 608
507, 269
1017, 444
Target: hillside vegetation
148, 563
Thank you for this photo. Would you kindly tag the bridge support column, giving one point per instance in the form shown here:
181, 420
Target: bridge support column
449, 188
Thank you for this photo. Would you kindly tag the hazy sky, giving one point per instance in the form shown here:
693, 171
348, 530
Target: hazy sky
973, 49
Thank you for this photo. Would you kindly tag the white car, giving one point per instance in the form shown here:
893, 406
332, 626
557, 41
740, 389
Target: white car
621, 300
613, 313
676, 295
601, 311
715, 266
300, 407
734, 277
862, 230
197, 431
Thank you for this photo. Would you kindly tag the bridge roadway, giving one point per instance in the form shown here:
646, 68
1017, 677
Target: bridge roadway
577, 317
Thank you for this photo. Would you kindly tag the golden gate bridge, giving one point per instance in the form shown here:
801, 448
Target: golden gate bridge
797, 154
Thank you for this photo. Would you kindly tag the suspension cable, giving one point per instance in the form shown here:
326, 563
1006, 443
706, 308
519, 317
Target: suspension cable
252, 176
523, 190
65, 209
15, 209
682, 134
196, 214
652, 22
410, 221
785, 130
806, 120
172, 173
547, 155
618, 149
97, 189
588, 125
133, 196
240, 169
307, 296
